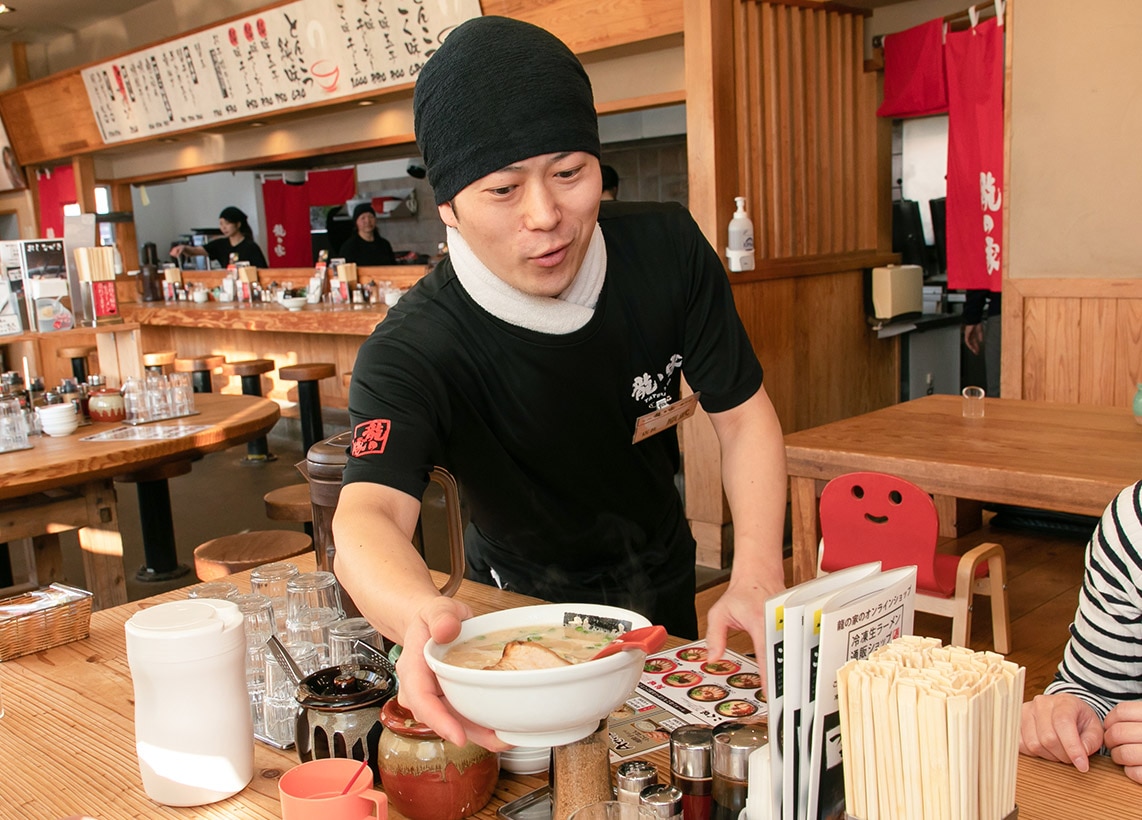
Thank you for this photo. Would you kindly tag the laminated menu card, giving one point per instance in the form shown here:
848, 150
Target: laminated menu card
680, 686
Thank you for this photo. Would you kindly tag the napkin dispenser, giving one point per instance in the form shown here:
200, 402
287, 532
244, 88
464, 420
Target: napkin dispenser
897, 292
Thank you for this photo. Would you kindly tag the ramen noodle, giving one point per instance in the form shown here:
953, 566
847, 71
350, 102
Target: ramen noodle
574, 644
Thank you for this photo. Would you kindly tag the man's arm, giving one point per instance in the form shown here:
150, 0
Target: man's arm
754, 477
390, 583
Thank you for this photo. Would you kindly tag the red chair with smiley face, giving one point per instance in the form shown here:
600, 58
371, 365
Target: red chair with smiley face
877, 517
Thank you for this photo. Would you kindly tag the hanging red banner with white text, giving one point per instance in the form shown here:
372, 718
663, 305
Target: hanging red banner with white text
974, 61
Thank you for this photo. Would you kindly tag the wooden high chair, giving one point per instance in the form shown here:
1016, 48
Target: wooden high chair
868, 516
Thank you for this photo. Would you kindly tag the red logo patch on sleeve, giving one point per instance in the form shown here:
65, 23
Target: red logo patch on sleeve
370, 437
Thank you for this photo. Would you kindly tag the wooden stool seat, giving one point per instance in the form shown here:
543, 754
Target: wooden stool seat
249, 367
194, 364
81, 352
229, 554
307, 372
250, 372
291, 503
78, 356
200, 369
159, 359
308, 377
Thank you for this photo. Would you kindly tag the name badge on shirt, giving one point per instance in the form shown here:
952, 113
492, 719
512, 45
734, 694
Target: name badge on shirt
666, 416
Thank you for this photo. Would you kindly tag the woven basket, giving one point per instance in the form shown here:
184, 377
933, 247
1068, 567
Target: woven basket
40, 620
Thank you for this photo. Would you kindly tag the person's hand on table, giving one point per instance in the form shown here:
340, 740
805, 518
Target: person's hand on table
1062, 727
741, 607
419, 690
1122, 734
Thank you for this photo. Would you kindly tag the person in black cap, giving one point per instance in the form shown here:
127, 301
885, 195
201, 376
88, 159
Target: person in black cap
367, 246
237, 237
541, 363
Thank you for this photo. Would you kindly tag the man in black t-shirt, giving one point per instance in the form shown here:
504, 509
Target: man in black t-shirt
529, 363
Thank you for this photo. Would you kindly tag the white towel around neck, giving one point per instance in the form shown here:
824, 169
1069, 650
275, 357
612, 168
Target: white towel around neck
565, 313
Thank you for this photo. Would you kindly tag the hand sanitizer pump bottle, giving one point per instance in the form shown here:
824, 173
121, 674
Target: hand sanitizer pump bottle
739, 251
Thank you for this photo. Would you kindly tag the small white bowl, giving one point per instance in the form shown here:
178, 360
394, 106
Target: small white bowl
539, 707
294, 303
526, 759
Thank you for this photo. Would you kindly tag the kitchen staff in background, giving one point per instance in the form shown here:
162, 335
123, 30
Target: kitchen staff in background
528, 363
610, 183
367, 246
237, 237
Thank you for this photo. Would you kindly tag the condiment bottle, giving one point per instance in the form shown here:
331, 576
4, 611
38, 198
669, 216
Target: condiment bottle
193, 730
662, 799
428, 778
690, 770
632, 777
733, 743
581, 773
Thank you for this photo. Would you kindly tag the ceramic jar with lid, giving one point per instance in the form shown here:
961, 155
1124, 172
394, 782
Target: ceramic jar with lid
428, 778
106, 405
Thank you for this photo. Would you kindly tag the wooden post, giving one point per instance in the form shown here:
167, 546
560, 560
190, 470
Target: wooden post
711, 148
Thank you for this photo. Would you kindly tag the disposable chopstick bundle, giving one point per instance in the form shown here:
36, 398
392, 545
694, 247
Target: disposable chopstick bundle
930, 732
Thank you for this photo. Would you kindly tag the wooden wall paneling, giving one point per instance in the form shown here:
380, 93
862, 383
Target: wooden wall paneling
769, 148
811, 218
799, 155
50, 119
1128, 362
782, 118
1012, 368
589, 25
1060, 332
1097, 340
848, 191
836, 117
826, 243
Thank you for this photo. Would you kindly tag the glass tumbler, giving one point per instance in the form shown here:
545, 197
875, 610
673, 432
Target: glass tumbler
279, 706
343, 635
214, 589
312, 591
181, 394
158, 396
135, 400
270, 580
13, 430
258, 620
313, 625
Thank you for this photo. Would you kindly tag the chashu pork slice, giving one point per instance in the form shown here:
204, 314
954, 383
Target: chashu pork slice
519, 655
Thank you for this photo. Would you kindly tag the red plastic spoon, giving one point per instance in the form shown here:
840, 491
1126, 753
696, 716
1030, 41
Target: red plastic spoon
648, 638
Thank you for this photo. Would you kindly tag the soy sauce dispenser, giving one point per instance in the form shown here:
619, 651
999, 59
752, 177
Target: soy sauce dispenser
150, 280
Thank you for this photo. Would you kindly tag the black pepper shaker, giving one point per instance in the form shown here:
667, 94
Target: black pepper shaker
662, 799
690, 769
733, 744
632, 777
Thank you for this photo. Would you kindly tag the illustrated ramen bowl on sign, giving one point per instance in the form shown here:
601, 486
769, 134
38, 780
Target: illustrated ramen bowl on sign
540, 707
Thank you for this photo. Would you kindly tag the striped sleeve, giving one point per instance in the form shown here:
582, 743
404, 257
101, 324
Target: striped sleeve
1102, 662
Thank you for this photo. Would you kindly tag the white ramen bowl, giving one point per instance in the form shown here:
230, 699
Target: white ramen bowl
539, 707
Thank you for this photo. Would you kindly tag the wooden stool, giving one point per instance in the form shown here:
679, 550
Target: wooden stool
290, 503
307, 377
200, 368
251, 371
159, 361
224, 556
155, 519
78, 356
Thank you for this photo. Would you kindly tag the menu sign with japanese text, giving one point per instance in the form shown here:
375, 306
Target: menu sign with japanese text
279, 58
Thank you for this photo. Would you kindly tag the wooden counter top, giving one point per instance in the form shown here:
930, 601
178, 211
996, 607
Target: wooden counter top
340, 320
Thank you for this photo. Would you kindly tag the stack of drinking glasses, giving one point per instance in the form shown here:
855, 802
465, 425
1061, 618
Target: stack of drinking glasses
13, 429
258, 615
343, 637
158, 396
270, 580
313, 605
279, 706
223, 590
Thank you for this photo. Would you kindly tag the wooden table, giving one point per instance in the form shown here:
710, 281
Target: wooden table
65, 483
67, 741
1063, 457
